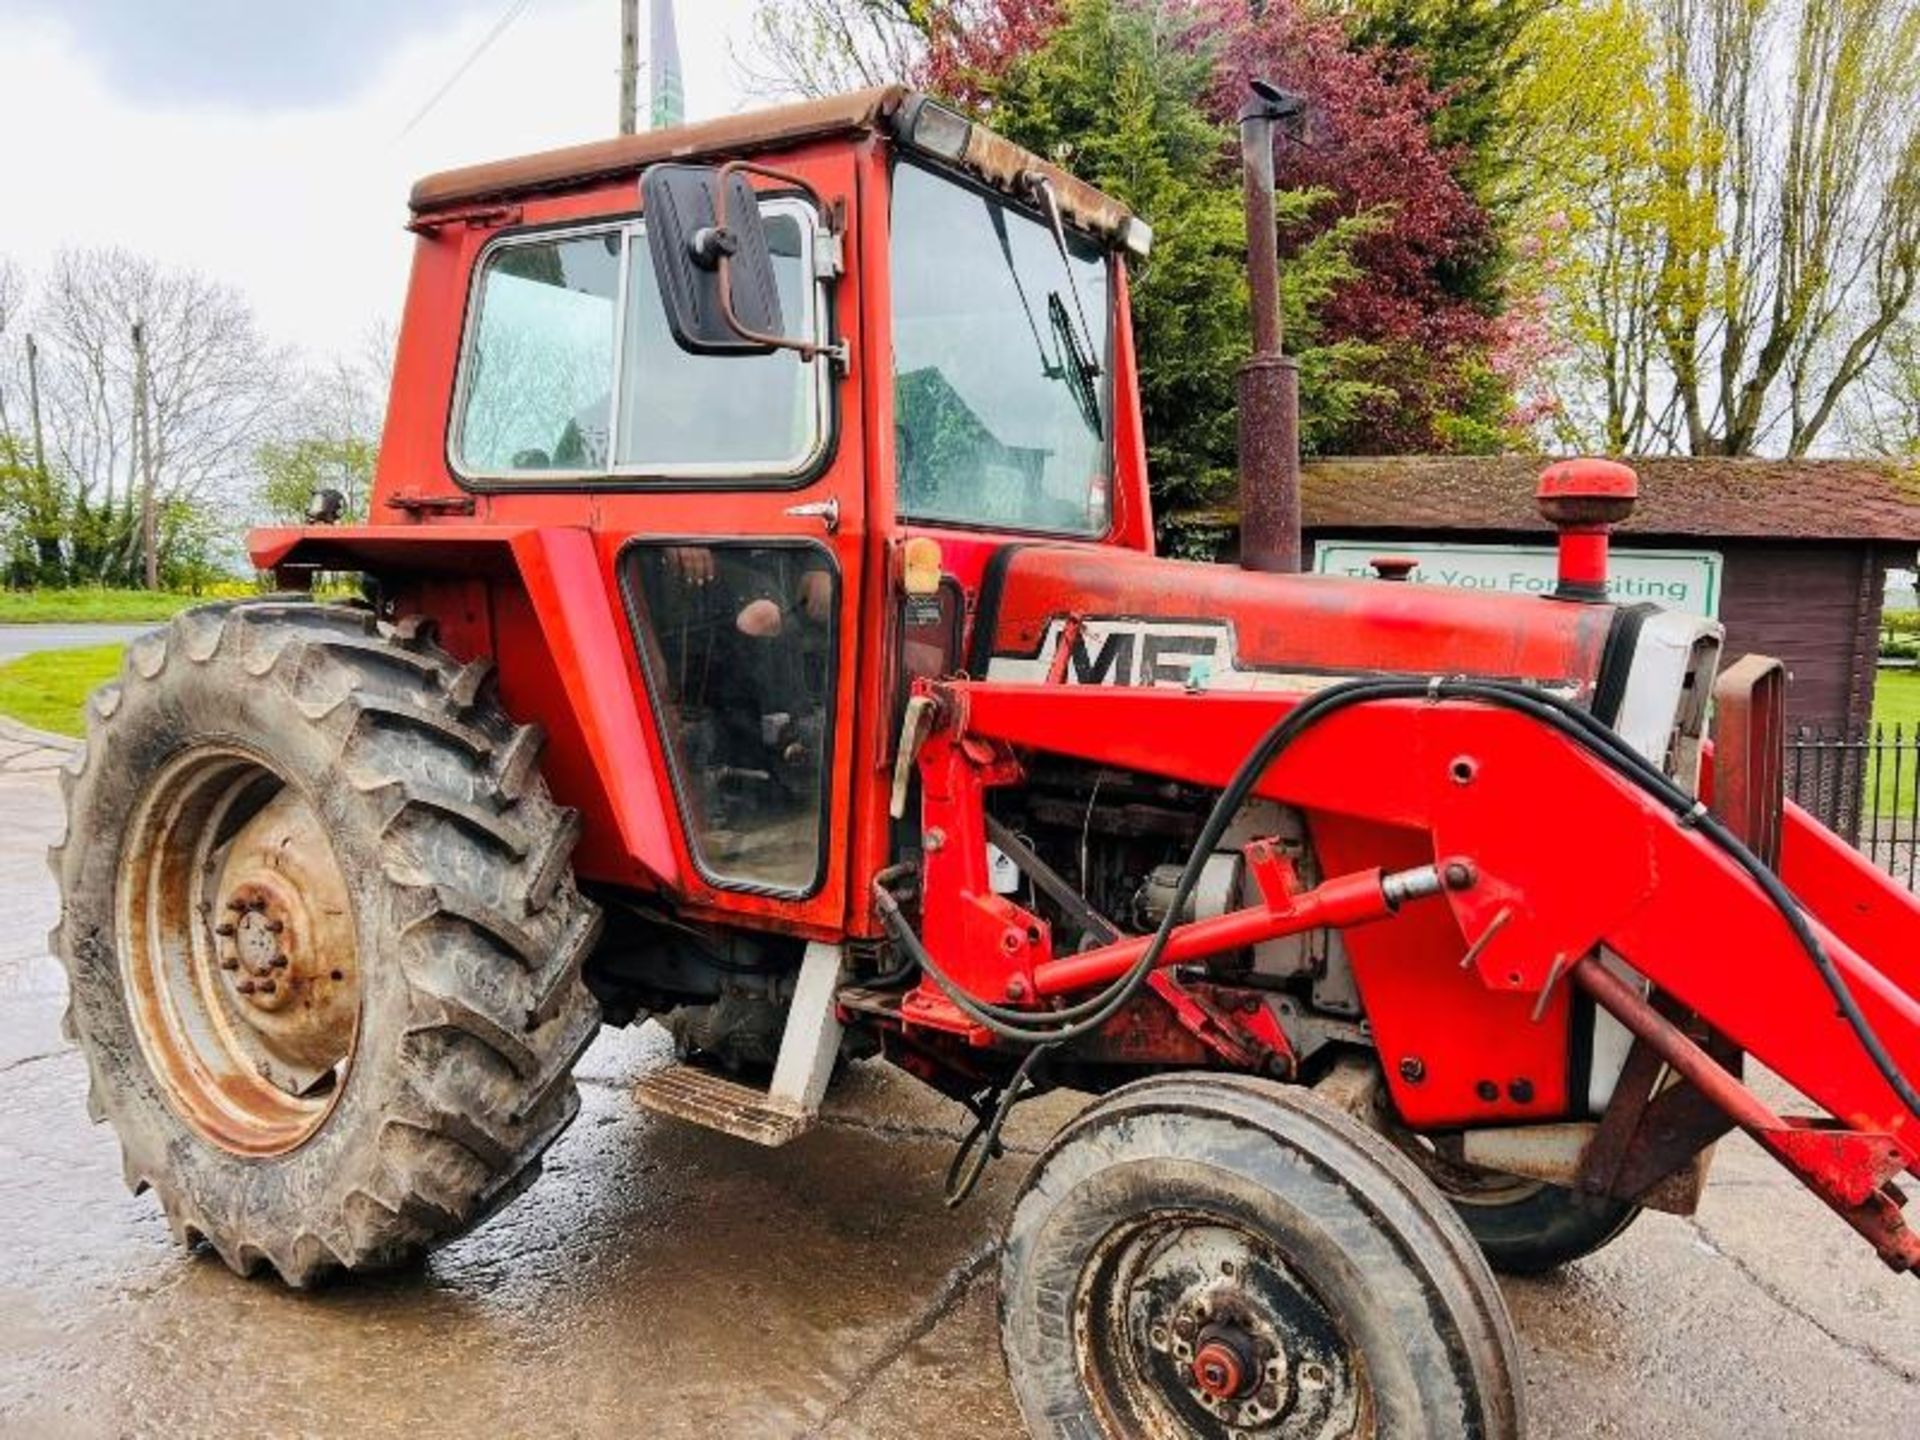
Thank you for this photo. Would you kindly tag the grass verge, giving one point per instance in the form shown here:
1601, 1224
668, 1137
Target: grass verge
91, 605
1896, 698
49, 690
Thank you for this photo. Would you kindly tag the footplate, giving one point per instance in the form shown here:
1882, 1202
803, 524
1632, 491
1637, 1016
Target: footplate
687, 1092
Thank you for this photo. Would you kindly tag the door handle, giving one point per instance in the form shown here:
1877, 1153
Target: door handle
826, 511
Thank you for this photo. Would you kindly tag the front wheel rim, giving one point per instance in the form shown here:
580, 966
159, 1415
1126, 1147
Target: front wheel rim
1192, 1324
238, 951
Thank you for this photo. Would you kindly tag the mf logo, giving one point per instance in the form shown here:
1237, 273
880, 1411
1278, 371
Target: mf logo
1129, 652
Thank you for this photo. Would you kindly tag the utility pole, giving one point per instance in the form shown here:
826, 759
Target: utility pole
33, 404
143, 451
629, 66
45, 538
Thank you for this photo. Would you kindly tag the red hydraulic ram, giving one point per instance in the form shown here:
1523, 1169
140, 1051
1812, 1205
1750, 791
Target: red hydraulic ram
1343, 901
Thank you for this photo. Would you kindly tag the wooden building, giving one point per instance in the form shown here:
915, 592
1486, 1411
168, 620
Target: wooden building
1803, 546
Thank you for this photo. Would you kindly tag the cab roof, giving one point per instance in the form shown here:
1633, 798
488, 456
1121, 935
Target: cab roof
991, 158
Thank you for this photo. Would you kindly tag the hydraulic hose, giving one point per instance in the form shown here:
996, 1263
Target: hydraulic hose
1027, 1027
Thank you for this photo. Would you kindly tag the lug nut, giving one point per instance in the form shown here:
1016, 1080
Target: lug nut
274, 927
225, 927
230, 962
1413, 1069
265, 987
237, 906
245, 987
279, 962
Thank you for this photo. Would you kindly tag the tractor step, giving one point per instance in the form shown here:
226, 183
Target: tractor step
687, 1092
808, 1047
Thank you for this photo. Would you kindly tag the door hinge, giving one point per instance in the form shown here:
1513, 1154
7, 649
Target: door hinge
829, 254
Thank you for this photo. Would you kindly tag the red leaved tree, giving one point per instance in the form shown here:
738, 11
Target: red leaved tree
1370, 148
1443, 352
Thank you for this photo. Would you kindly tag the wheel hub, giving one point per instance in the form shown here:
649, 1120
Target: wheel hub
1224, 1366
1225, 1339
1229, 1357
285, 943
239, 951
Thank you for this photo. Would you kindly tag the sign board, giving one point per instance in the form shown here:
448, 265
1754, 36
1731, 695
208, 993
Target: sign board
1683, 580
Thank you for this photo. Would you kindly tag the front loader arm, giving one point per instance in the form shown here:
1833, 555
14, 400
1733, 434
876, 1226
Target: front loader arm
1572, 863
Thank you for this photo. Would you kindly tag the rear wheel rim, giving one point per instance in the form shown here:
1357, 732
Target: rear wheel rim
238, 952
1188, 1323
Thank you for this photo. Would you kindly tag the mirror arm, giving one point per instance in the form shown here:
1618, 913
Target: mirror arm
807, 349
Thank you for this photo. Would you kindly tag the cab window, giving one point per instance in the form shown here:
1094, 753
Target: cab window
1000, 347
570, 370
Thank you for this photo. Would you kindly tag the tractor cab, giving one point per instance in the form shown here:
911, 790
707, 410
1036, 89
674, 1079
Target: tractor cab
735, 369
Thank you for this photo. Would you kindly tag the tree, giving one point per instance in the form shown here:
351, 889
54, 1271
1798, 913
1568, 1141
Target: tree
1370, 148
1884, 416
328, 435
1737, 186
1465, 53
1115, 92
822, 47
1396, 350
215, 387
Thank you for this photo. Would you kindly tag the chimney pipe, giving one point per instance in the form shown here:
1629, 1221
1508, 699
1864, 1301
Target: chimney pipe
1584, 500
1268, 384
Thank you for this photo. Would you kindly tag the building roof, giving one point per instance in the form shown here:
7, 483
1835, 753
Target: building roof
1778, 499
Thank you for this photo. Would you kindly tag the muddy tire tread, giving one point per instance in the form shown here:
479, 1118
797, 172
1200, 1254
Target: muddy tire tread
491, 957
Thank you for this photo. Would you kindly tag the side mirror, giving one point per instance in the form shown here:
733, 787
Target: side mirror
711, 259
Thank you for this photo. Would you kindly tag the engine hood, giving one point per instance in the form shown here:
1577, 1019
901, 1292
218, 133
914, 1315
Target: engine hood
1130, 619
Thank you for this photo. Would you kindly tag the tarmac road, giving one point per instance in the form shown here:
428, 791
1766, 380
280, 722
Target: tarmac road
663, 1282
18, 640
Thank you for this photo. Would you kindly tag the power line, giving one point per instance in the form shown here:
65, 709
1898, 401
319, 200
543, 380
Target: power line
513, 12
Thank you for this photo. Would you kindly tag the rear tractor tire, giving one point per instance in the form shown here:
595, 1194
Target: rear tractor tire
321, 934
1525, 1227
1225, 1257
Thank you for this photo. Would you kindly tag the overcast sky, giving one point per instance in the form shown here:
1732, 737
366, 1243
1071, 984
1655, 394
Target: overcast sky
267, 142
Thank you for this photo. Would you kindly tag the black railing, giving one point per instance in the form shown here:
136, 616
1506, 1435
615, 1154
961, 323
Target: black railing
1865, 787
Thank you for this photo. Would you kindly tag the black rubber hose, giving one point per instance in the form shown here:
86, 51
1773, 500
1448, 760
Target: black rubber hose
1069, 1023
1029, 1027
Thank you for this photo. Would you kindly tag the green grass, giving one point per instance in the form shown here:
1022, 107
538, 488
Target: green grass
1896, 697
79, 606
49, 690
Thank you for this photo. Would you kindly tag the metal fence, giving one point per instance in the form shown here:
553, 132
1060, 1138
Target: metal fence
1864, 786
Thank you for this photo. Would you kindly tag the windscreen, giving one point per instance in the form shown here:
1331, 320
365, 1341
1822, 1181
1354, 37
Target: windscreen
999, 354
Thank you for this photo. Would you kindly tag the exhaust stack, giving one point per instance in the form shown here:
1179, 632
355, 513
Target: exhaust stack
1268, 385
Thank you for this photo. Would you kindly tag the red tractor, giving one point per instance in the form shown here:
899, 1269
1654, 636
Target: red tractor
762, 632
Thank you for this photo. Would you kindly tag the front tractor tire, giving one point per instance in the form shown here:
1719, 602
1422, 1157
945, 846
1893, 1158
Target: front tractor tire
321, 934
1224, 1257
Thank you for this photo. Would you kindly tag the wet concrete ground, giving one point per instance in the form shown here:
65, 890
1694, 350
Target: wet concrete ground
660, 1281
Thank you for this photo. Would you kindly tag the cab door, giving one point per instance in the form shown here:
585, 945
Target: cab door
737, 550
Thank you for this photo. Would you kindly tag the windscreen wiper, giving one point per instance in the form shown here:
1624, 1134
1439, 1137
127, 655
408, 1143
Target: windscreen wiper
1084, 358
1082, 373
1049, 367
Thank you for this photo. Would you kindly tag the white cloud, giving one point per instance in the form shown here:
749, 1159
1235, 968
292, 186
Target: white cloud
301, 207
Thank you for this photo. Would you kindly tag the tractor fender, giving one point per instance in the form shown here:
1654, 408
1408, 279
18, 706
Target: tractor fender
568, 664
